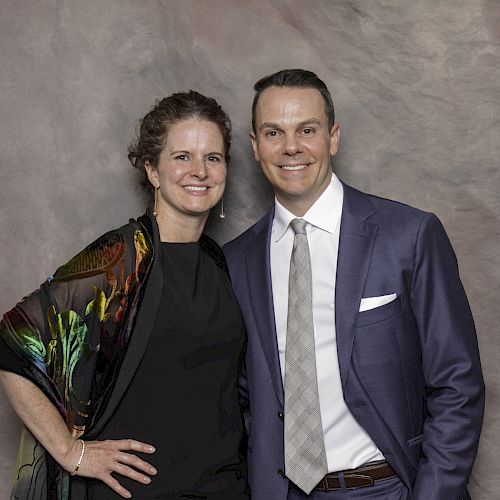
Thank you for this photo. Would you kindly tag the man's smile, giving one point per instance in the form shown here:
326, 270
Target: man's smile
295, 167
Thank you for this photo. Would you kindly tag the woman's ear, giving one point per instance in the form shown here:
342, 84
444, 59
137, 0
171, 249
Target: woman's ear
152, 174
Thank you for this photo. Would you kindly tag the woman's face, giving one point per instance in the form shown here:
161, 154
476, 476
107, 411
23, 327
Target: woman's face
191, 171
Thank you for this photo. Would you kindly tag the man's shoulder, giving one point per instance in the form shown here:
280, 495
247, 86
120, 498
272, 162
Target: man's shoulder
249, 235
386, 208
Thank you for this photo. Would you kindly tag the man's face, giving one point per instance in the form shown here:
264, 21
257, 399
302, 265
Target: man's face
293, 145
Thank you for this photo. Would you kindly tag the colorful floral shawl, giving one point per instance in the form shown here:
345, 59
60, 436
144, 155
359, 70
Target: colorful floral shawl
70, 338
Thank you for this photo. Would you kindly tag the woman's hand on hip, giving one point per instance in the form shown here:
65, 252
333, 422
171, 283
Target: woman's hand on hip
102, 458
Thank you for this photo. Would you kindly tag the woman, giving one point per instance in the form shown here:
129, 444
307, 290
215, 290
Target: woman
123, 365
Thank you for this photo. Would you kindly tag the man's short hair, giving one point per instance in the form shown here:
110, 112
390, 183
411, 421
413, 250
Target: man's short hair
295, 78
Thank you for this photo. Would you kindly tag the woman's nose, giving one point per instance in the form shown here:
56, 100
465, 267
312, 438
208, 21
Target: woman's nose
199, 169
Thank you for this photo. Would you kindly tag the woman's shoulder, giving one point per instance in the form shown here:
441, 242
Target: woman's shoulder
212, 248
107, 251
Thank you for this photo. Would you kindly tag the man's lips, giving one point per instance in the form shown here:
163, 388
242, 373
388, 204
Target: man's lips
294, 166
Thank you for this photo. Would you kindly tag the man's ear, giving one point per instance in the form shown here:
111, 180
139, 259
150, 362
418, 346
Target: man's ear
334, 139
255, 148
152, 174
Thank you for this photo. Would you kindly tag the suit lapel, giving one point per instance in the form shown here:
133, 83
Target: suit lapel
258, 270
357, 237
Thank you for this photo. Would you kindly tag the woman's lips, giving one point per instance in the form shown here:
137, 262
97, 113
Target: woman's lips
196, 189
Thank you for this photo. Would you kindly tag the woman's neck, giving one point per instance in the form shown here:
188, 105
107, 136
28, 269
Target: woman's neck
176, 229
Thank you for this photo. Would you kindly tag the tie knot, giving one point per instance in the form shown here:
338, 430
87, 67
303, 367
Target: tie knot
298, 226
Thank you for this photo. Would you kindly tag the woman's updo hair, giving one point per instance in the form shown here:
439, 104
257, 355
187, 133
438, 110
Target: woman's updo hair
167, 112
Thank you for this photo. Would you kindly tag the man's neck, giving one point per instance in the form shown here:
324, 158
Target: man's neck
299, 205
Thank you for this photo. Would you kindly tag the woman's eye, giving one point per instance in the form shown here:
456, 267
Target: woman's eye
214, 159
181, 157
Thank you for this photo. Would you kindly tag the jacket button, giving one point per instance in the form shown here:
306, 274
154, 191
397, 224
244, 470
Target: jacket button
280, 415
281, 473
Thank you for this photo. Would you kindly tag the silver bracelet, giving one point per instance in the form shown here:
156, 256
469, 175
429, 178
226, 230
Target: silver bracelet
81, 457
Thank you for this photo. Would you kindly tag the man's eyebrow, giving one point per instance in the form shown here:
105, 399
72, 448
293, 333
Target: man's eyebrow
269, 125
309, 121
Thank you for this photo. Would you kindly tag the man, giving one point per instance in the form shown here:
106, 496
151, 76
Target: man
362, 371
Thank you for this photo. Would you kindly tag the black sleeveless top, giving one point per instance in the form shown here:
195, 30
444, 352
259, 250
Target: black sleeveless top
183, 398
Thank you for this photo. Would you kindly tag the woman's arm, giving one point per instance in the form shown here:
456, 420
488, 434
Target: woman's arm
101, 458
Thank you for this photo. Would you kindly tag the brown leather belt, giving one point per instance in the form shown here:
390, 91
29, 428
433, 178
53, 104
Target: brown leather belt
366, 475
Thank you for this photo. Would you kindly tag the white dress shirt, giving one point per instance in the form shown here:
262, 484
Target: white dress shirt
347, 445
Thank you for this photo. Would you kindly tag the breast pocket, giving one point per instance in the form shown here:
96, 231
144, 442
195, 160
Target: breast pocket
379, 314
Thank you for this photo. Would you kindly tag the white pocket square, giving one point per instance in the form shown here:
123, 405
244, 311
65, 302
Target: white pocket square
373, 302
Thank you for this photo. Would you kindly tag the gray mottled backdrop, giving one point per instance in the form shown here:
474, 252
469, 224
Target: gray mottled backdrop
416, 86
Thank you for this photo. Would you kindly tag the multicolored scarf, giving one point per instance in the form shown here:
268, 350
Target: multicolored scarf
70, 337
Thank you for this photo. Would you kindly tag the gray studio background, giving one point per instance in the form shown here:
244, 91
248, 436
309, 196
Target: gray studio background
416, 88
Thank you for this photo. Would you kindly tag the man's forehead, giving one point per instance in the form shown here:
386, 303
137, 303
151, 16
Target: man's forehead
290, 100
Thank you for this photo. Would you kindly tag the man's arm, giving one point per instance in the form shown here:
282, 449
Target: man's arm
451, 367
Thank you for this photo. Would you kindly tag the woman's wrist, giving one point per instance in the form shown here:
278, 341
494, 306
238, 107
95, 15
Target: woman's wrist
80, 458
71, 456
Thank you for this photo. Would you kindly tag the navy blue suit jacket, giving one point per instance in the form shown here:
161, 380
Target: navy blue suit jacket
410, 370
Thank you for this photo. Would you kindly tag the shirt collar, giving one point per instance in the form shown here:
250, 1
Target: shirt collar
324, 214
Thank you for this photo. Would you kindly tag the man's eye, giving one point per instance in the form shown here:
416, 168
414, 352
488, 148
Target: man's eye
308, 131
272, 133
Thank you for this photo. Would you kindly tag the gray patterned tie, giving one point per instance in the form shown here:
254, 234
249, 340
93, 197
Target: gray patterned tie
305, 456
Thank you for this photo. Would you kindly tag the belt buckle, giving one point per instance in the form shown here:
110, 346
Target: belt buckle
363, 479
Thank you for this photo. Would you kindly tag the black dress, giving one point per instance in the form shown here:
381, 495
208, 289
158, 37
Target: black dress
183, 398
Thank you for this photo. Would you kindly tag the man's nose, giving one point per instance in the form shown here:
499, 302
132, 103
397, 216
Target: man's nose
292, 146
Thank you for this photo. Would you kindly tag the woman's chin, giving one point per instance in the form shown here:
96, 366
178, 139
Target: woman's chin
200, 209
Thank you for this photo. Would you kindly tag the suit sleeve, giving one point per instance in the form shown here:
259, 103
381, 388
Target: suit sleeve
243, 388
451, 367
242, 379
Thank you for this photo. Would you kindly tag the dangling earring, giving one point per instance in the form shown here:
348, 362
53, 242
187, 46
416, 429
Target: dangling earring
222, 215
155, 209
